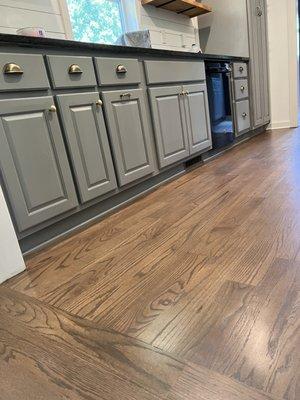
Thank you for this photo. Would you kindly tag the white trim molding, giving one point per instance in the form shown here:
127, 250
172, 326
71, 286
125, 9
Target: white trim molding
11, 259
65, 16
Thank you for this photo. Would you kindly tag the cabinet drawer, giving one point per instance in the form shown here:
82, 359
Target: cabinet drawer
174, 71
242, 116
71, 72
240, 70
22, 72
117, 71
241, 89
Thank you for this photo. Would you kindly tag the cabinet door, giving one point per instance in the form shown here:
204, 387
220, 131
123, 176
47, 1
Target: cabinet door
130, 134
88, 143
264, 61
258, 62
197, 117
33, 161
169, 124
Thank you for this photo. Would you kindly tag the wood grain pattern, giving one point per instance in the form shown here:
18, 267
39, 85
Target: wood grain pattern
205, 268
198, 383
46, 354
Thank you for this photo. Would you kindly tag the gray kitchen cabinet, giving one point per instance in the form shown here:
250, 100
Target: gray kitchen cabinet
34, 162
87, 139
197, 117
129, 132
258, 62
170, 128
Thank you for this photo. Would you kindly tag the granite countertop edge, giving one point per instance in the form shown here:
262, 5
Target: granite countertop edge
37, 42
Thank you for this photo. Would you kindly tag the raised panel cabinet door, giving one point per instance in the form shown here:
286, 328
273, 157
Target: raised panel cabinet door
169, 121
87, 140
258, 62
34, 162
130, 134
197, 117
265, 69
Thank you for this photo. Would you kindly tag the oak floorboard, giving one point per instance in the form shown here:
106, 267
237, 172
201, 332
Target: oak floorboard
47, 354
252, 333
205, 268
198, 383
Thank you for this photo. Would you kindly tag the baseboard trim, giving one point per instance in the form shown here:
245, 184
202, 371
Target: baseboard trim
280, 125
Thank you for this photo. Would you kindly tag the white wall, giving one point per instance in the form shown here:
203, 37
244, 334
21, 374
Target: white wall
11, 260
224, 31
282, 18
169, 30
16, 14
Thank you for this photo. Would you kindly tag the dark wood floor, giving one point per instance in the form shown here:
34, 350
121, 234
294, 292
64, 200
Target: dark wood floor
190, 293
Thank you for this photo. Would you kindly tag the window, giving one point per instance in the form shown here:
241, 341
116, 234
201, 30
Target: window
99, 21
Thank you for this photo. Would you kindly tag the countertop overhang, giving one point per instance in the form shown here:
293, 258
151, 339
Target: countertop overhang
50, 43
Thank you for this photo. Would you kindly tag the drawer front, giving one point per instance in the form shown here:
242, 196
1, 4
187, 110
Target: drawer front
240, 70
117, 71
174, 71
22, 72
241, 89
242, 116
71, 72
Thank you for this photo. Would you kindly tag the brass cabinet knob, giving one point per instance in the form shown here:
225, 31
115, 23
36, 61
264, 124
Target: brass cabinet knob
99, 103
121, 69
123, 95
242, 88
52, 108
74, 69
241, 69
12, 69
244, 115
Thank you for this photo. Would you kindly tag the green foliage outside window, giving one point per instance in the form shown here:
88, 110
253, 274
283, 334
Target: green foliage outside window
96, 21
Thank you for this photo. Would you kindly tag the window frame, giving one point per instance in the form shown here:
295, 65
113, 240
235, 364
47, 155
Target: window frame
129, 20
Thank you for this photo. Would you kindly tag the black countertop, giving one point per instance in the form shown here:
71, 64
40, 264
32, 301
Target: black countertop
36, 42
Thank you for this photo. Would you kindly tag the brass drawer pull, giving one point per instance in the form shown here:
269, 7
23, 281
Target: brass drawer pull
244, 115
99, 103
241, 69
125, 95
75, 69
121, 69
12, 69
242, 88
52, 108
